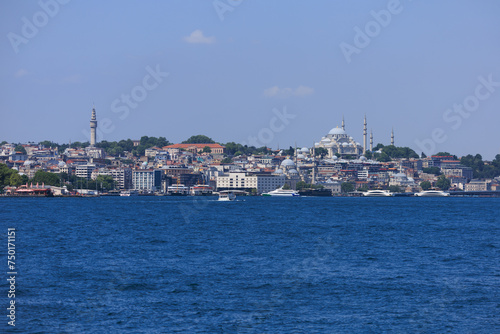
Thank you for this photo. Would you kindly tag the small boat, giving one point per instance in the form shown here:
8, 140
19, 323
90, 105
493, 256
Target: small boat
282, 192
432, 193
378, 193
127, 193
226, 196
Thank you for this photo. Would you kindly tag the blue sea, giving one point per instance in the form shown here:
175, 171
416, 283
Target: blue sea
256, 265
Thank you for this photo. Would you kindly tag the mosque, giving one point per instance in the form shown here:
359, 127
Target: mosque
338, 142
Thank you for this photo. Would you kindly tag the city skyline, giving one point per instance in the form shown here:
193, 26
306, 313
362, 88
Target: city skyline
407, 65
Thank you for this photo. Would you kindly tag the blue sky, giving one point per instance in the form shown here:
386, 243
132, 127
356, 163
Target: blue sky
233, 69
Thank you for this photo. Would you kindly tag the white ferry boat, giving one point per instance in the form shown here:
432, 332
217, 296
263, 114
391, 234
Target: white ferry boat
378, 193
127, 193
178, 190
226, 196
201, 190
282, 192
432, 193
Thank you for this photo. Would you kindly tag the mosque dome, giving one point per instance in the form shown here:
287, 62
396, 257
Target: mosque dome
301, 156
350, 138
287, 163
325, 140
337, 131
293, 171
344, 144
278, 171
61, 164
335, 157
304, 150
363, 158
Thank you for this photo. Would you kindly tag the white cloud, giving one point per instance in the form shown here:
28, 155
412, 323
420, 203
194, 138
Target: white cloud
21, 73
284, 93
197, 37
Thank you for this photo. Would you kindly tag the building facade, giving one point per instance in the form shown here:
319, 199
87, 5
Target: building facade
146, 179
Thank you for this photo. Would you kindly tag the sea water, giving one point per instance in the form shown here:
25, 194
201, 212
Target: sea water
255, 265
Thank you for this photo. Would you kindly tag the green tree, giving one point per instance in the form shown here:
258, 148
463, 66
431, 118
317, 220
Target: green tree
16, 180
5, 174
425, 185
207, 149
199, 139
321, 152
378, 147
286, 186
443, 183
368, 155
301, 185
423, 155
20, 148
432, 170
104, 182
226, 161
394, 189
384, 157
51, 179
346, 187
363, 188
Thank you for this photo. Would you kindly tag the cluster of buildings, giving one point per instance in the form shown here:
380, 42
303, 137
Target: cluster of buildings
193, 164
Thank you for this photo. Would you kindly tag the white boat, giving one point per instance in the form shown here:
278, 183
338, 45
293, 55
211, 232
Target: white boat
178, 190
226, 196
282, 192
432, 193
127, 193
201, 190
378, 193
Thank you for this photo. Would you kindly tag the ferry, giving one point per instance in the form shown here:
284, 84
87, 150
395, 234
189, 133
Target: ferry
432, 193
201, 190
378, 193
178, 190
127, 193
282, 192
226, 195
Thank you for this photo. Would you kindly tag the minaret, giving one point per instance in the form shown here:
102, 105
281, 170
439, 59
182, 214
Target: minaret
343, 123
364, 137
392, 137
93, 127
371, 140
314, 166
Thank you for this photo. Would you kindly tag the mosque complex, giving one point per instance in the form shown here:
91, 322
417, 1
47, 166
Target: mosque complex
338, 142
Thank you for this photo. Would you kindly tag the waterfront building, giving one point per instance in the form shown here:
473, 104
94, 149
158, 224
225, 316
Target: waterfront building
85, 170
478, 185
122, 176
146, 179
458, 171
262, 182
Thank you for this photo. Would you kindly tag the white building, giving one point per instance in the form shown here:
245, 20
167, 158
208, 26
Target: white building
85, 171
244, 181
146, 179
122, 176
